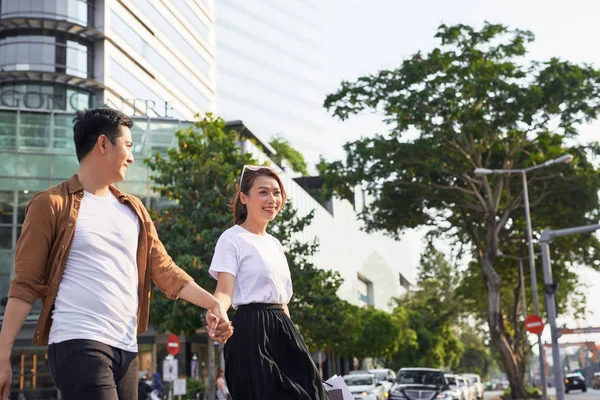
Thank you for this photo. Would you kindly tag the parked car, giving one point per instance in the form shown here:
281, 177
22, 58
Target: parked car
476, 382
466, 387
365, 386
384, 376
574, 382
455, 387
420, 383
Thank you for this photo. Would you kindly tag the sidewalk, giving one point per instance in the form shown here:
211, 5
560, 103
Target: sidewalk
497, 395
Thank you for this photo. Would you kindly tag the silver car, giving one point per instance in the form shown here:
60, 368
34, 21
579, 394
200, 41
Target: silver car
477, 384
365, 387
454, 387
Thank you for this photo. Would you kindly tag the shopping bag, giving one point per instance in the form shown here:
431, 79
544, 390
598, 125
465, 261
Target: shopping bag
335, 394
335, 386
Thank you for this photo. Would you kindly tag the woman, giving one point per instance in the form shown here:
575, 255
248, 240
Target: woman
222, 391
266, 357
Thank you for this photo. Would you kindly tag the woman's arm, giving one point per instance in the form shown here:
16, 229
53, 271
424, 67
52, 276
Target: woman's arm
224, 291
286, 310
224, 294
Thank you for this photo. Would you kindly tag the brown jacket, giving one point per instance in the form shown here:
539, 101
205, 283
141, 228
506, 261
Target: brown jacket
44, 244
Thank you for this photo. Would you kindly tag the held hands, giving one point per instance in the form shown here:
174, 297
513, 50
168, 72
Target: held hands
219, 326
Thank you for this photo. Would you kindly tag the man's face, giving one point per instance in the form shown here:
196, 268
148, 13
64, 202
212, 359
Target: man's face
119, 155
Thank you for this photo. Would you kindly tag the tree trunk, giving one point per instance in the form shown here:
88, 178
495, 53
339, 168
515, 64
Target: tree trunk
513, 358
212, 376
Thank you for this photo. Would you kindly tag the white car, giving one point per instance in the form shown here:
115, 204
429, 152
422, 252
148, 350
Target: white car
384, 376
365, 387
476, 382
455, 389
466, 387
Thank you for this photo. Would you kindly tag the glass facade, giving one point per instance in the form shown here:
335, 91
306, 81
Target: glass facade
58, 52
160, 63
37, 152
162, 52
77, 11
174, 35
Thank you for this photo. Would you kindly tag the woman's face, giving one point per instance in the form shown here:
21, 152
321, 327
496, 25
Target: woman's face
264, 199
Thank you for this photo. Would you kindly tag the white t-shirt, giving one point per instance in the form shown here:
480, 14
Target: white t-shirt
261, 271
98, 296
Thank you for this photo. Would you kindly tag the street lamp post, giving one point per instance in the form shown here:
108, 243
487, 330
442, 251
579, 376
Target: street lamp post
484, 171
547, 236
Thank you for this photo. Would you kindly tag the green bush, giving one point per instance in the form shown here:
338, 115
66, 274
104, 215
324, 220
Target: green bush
194, 386
532, 393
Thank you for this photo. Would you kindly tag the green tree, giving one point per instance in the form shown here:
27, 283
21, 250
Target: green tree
474, 102
432, 312
197, 178
476, 357
285, 151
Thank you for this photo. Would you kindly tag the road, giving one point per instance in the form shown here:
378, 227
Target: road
577, 395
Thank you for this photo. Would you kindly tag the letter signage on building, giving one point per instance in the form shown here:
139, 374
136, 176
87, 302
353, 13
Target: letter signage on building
37, 100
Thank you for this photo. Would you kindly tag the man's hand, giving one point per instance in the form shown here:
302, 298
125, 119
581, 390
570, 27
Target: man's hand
220, 330
5, 379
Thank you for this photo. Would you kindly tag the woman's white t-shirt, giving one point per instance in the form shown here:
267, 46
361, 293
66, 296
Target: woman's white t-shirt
261, 271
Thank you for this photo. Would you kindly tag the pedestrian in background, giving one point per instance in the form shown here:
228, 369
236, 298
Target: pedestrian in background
222, 391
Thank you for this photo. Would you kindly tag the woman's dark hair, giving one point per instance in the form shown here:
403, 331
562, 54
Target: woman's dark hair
240, 212
90, 124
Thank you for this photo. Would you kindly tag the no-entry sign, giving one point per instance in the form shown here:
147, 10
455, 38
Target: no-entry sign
534, 324
173, 345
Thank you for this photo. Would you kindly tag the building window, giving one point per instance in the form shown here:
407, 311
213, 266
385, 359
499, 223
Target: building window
192, 15
157, 61
31, 373
45, 53
365, 292
77, 11
173, 35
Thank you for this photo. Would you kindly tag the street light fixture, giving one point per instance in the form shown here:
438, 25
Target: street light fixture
567, 158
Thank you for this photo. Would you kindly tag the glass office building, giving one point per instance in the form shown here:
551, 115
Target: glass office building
148, 57
36, 152
152, 59
269, 69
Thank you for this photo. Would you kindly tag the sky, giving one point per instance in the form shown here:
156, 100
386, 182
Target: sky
361, 37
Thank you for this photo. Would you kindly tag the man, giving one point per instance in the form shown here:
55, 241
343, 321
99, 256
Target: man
90, 252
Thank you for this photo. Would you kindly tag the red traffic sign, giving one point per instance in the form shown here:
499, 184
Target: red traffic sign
534, 324
173, 345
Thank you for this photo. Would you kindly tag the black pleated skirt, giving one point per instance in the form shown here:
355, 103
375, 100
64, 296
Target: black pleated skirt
267, 359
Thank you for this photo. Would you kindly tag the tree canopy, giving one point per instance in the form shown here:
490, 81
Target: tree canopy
475, 101
285, 151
